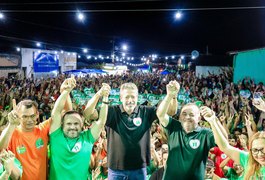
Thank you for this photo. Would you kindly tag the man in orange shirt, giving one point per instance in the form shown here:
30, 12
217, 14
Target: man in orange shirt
27, 140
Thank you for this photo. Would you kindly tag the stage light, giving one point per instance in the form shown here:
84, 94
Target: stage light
2, 16
38, 44
80, 16
124, 47
178, 15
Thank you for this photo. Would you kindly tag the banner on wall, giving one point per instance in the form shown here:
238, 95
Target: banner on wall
45, 62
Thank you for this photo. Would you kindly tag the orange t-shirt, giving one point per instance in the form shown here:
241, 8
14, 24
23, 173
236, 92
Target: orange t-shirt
30, 148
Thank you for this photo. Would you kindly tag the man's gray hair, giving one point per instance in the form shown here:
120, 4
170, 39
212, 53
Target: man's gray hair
128, 86
190, 104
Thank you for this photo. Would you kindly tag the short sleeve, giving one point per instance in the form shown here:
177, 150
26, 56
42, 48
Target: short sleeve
56, 132
45, 126
173, 125
88, 136
151, 113
210, 139
110, 116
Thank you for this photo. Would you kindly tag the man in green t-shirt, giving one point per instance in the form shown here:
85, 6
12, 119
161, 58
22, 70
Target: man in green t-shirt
70, 146
188, 143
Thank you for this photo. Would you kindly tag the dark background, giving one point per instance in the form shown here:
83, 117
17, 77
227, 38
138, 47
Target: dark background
148, 27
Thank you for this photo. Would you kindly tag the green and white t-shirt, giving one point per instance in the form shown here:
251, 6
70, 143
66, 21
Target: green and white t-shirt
70, 158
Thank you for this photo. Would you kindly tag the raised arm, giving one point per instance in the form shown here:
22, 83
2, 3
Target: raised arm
91, 104
172, 91
172, 110
59, 105
8, 131
220, 139
98, 125
250, 124
68, 105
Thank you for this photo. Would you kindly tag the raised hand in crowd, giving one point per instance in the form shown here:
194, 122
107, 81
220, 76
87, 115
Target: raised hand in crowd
259, 104
250, 124
13, 115
10, 170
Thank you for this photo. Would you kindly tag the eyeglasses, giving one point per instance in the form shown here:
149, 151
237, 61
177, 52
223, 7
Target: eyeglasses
31, 116
255, 151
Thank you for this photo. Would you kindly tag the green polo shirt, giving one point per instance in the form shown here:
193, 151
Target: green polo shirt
129, 137
188, 153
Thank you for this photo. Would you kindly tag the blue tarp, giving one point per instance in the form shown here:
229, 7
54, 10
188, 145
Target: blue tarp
165, 72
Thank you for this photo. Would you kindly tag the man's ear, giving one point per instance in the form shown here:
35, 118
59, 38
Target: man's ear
199, 118
38, 114
121, 97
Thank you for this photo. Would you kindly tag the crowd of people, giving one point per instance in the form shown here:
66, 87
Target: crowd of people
48, 135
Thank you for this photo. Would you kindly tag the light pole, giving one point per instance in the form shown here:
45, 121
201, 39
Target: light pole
113, 51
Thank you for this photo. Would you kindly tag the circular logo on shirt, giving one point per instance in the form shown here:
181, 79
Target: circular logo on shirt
223, 156
77, 147
194, 143
39, 143
21, 149
137, 121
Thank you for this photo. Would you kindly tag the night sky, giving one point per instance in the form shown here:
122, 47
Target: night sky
145, 32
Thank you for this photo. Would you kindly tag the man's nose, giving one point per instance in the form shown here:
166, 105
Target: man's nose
72, 126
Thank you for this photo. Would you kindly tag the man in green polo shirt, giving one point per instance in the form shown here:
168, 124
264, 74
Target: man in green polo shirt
188, 144
70, 146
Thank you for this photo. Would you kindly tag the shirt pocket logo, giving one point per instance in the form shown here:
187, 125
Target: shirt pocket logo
194, 143
39, 143
137, 121
21, 149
